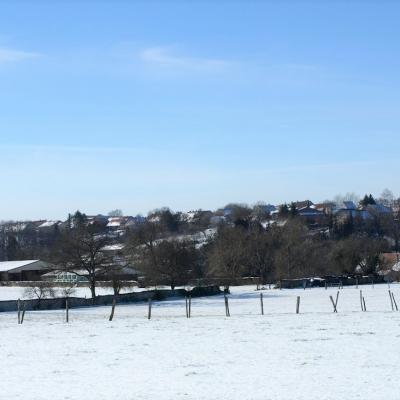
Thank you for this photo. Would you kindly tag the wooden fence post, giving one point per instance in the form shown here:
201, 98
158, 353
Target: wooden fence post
262, 303
190, 305
334, 303
149, 312
187, 306
361, 301
227, 313
112, 309
23, 313
391, 299
66, 310
394, 301
365, 308
19, 310
298, 305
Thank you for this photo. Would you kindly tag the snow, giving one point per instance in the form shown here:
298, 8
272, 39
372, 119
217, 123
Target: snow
114, 247
278, 356
17, 292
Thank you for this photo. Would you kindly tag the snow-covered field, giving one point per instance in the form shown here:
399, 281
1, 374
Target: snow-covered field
279, 356
16, 292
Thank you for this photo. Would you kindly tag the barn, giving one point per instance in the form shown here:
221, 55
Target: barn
24, 270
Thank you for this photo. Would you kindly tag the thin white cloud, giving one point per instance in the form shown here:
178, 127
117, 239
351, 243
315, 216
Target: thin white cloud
11, 55
165, 57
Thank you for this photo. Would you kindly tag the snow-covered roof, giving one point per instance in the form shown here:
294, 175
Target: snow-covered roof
113, 247
6, 266
114, 224
48, 224
349, 205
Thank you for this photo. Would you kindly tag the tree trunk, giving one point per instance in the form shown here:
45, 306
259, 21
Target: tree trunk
93, 289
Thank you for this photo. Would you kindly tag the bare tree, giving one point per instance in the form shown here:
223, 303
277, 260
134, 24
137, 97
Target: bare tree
170, 261
116, 213
80, 250
291, 257
261, 251
40, 290
228, 255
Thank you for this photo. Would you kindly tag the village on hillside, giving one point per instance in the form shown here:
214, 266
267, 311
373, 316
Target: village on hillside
282, 244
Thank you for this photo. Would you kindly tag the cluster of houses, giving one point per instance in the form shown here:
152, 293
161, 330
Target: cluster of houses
317, 214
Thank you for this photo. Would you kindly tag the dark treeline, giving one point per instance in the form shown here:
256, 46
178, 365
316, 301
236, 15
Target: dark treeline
223, 246
244, 247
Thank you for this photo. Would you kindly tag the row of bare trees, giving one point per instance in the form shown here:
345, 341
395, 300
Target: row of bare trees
291, 251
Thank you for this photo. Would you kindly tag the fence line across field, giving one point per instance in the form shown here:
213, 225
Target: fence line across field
21, 308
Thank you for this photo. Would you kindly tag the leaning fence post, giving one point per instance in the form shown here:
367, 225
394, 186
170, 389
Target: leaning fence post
262, 303
391, 299
394, 301
187, 306
337, 299
149, 311
365, 308
112, 309
333, 304
361, 300
298, 305
23, 313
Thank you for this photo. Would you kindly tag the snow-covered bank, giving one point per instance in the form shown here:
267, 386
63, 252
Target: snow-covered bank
18, 292
279, 356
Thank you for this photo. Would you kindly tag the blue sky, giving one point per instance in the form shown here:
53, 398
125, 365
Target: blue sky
138, 105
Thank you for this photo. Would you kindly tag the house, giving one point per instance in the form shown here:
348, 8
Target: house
266, 208
326, 207
378, 209
217, 219
303, 204
349, 210
49, 224
390, 264
118, 223
59, 276
127, 273
25, 270
311, 215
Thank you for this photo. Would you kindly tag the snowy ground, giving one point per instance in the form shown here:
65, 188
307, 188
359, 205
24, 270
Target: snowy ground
278, 356
16, 292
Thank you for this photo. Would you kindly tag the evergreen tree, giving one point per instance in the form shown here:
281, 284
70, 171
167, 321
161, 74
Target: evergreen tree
283, 210
293, 210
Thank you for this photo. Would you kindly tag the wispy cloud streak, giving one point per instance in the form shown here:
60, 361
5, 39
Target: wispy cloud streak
10, 55
165, 57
